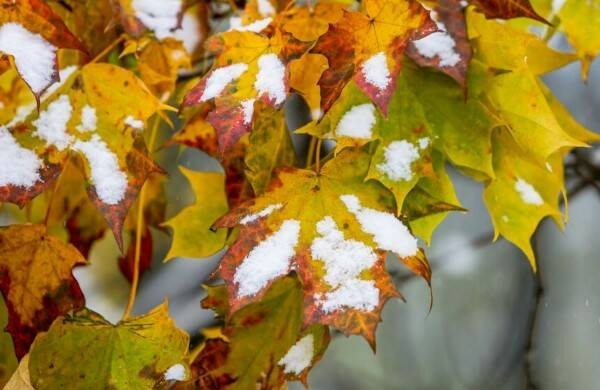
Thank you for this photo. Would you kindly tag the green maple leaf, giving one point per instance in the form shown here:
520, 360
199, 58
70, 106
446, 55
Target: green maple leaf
84, 351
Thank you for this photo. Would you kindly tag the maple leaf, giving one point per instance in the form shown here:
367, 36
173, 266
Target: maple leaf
287, 351
431, 200
36, 281
369, 46
308, 24
329, 227
305, 73
502, 46
448, 49
507, 9
31, 33
580, 21
8, 360
247, 68
89, 20
90, 115
192, 236
520, 195
159, 63
134, 353
269, 146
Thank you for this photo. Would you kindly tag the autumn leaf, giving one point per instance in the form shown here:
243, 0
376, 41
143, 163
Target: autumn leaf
504, 47
507, 9
269, 146
369, 46
329, 227
31, 33
8, 360
89, 115
134, 353
521, 194
287, 351
580, 21
447, 49
309, 24
90, 20
305, 73
159, 63
247, 68
192, 236
36, 281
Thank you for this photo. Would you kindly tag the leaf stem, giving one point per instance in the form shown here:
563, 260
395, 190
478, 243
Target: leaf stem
135, 279
318, 156
311, 151
107, 50
54, 191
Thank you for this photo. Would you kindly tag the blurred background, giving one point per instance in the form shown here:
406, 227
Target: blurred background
494, 323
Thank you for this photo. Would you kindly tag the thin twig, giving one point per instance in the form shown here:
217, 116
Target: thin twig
538, 296
108, 49
54, 191
138, 231
318, 155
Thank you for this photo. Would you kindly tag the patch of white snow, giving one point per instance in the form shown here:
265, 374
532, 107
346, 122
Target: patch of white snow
388, 232
528, 193
18, 166
299, 356
51, 124
398, 158
438, 44
219, 78
268, 260
376, 72
109, 181
34, 56
270, 79
261, 214
357, 122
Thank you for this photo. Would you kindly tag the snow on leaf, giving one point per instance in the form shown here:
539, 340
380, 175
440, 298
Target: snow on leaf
268, 260
357, 122
106, 175
51, 124
247, 67
299, 357
270, 79
528, 193
31, 32
36, 281
89, 120
34, 56
313, 220
261, 214
448, 49
24, 164
257, 26
162, 17
219, 78
399, 156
